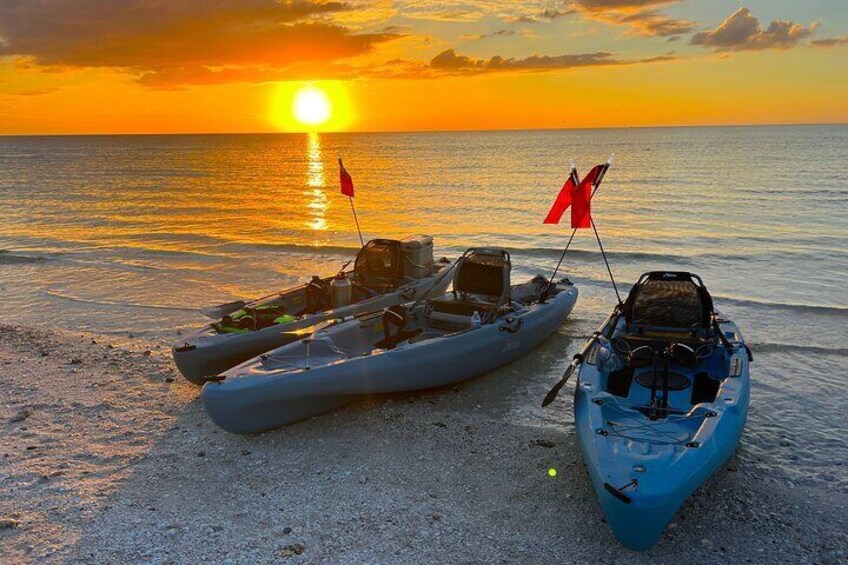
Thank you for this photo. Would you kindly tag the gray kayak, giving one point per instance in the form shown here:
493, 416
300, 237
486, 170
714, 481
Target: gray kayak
429, 344
385, 273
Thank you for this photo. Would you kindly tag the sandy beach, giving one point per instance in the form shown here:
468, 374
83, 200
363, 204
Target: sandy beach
108, 456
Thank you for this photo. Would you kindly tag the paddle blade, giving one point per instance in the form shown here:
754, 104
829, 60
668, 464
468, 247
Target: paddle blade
552, 394
222, 310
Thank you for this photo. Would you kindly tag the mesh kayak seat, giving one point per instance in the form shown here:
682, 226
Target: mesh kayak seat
379, 264
668, 306
481, 284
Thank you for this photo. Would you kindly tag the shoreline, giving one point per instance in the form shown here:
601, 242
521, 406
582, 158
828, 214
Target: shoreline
108, 456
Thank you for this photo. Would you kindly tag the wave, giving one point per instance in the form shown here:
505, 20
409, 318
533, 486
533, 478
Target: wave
549, 253
793, 348
349, 251
736, 301
689, 259
9, 258
787, 306
122, 304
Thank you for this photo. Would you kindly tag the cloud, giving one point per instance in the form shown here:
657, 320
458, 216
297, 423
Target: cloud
553, 13
521, 19
498, 33
741, 31
444, 11
622, 5
830, 42
640, 15
651, 23
152, 37
32, 92
449, 61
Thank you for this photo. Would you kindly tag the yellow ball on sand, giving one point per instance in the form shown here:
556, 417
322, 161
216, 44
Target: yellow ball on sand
552, 472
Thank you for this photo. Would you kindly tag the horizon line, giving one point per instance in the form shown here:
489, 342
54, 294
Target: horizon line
423, 131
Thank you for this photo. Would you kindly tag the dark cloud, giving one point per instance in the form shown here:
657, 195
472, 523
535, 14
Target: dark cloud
553, 13
830, 42
451, 62
741, 31
154, 36
626, 5
498, 33
521, 19
639, 15
651, 23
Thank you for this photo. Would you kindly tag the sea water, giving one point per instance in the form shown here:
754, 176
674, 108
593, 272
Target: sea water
132, 234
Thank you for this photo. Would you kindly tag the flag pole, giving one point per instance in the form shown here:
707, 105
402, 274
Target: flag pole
355, 219
347, 189
595, 187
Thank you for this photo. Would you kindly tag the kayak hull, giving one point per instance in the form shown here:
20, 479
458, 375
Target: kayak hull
207, 352
644, 474
247, 402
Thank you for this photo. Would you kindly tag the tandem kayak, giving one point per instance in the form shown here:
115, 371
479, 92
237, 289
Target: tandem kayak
660, 403
386, 272
483, 324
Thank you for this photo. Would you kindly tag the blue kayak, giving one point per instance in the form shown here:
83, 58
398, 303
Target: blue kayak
483, 324
660, 403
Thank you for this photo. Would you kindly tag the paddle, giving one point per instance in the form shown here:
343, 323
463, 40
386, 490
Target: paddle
552, 394
216, 312
577, 360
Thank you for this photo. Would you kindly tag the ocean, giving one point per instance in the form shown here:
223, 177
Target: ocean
120, 235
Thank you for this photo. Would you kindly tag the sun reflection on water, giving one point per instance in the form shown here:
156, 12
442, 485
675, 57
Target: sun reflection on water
318, 203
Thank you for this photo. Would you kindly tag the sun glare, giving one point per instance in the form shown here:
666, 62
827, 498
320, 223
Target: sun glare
311, 106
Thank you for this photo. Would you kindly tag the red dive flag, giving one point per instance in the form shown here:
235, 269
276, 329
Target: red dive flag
346, 181
563, 200
581, 205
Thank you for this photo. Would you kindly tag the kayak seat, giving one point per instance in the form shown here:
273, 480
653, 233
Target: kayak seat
379, 264
669, 306
485, 274
481, 283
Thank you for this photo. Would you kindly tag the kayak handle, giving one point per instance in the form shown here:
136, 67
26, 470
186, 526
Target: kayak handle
616, 492
214, 378
511, 325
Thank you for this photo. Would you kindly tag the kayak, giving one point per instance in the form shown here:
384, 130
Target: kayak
660, 403
385, 272
483, 324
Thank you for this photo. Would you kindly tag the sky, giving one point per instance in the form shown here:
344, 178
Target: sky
185, 66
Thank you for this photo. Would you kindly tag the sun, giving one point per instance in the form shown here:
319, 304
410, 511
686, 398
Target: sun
311, 106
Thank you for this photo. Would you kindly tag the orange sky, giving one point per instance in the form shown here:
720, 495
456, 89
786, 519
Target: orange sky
98, 66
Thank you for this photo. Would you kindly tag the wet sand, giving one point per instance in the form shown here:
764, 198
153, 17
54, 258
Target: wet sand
106, 456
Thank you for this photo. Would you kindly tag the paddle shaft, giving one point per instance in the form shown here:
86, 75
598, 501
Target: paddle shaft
578, 358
